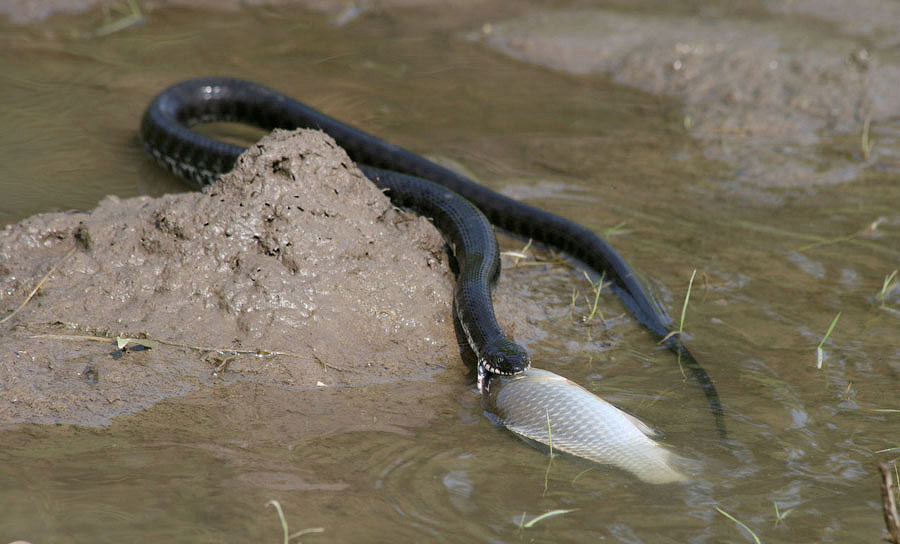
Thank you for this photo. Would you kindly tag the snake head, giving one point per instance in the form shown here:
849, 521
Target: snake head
505, 358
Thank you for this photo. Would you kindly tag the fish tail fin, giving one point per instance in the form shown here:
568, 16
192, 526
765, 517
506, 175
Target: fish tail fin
663, 466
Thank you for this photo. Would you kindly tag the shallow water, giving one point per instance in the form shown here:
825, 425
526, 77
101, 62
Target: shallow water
418, 460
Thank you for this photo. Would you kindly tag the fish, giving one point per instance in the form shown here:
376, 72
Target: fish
550, 409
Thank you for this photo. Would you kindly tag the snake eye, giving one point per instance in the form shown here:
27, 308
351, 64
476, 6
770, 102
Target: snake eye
508, 359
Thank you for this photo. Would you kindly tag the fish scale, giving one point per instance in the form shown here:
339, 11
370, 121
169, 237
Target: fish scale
580, 423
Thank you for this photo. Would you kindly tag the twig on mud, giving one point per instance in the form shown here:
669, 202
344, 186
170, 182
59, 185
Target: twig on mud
147, 342
224, 364
38, 286
889, 503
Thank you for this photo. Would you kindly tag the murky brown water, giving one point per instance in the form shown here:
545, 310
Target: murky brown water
418, 460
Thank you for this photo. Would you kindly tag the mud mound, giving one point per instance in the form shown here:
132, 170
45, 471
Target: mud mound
294, 252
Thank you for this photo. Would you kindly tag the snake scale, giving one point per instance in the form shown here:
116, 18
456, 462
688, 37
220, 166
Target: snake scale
460, 208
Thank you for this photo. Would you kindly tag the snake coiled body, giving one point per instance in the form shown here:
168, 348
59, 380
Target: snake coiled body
444, 197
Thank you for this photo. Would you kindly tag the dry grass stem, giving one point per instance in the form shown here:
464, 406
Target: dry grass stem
889, 503
122, 342
38, 286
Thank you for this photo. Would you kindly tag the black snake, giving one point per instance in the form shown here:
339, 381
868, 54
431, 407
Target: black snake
445, 198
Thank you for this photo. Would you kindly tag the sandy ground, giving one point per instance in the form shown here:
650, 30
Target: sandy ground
293, 252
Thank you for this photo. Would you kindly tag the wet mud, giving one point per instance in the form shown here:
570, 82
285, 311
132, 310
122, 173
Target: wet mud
294, 255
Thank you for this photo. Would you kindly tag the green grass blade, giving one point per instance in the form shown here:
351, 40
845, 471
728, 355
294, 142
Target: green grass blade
549, 434
546, 515
819, 351
738, 522
888, 281
284, 525
687, 297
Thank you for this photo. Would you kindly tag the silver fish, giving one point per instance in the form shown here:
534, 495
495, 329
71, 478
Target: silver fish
580, 423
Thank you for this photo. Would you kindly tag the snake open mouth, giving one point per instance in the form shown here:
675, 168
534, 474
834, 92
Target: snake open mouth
485, 370
487, 367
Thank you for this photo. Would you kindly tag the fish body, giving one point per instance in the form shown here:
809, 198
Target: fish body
548, 408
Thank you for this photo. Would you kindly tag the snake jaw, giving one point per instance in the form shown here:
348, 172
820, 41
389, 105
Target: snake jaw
485, 370
506, 359
485, 367
483, 374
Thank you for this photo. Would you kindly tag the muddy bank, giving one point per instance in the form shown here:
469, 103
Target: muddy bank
294, 252
767, 97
